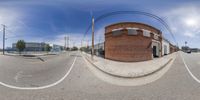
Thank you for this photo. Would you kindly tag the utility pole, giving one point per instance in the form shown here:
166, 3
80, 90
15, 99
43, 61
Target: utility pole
92, 37
99, 42
73, 44
65, 43
87, 43
81, 43
4, 31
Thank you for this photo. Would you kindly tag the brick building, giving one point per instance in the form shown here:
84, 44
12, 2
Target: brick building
173, 48
131, 41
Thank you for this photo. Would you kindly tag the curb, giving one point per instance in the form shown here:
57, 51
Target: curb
29, 55
139, 76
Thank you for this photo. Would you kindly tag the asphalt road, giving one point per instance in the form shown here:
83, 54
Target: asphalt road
82, 84
34, 71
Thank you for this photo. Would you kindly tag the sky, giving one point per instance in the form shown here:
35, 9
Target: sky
51, 20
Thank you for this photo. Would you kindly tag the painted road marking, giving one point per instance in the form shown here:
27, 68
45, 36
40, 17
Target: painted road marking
42, 87
191, 74
21, 75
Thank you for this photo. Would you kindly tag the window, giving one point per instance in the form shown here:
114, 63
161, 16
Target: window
132, 31
117, 32
146, 33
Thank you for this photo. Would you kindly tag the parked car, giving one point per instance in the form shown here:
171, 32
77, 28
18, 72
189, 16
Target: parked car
188, 51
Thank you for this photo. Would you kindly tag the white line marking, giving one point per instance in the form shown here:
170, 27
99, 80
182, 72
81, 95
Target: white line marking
17, 75
42, 87
194, 77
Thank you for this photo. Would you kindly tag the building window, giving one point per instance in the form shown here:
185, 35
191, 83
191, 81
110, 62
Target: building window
132, 31
146, 33
117, 32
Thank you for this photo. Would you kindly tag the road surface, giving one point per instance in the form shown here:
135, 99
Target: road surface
82, 84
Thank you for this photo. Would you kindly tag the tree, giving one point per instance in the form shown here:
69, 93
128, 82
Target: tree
20, 45
67, 48
84, 49
48, 47
74, 48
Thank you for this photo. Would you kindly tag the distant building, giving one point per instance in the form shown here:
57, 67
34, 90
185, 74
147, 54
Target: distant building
56, 48
98, 46
185, 48
173, 48
98, 49
9, 49
31, 46
195, 50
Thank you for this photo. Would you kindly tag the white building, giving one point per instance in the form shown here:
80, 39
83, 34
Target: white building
32, 46
165, 47
56, 48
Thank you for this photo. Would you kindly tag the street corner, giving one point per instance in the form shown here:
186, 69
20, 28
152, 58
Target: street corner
129, 73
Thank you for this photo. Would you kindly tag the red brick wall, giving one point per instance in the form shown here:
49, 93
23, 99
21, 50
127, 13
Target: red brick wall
131, 24
128, 47
173, 48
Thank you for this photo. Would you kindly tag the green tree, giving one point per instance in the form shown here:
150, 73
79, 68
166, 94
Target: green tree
48, 47
74, 48
67, 48
20, 45
84, 49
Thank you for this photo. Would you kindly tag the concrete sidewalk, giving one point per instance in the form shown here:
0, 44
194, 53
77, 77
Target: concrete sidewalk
129, 69
31, 54
28, 55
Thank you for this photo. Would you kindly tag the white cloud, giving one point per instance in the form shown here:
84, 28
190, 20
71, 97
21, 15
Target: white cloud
11, 18
184, 20
99, 35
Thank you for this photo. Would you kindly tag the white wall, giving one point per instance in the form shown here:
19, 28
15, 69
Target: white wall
165, 44
158, 47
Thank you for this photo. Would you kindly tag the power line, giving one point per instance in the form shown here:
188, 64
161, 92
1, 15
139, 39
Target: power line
65, 43
92, 37
132, 12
